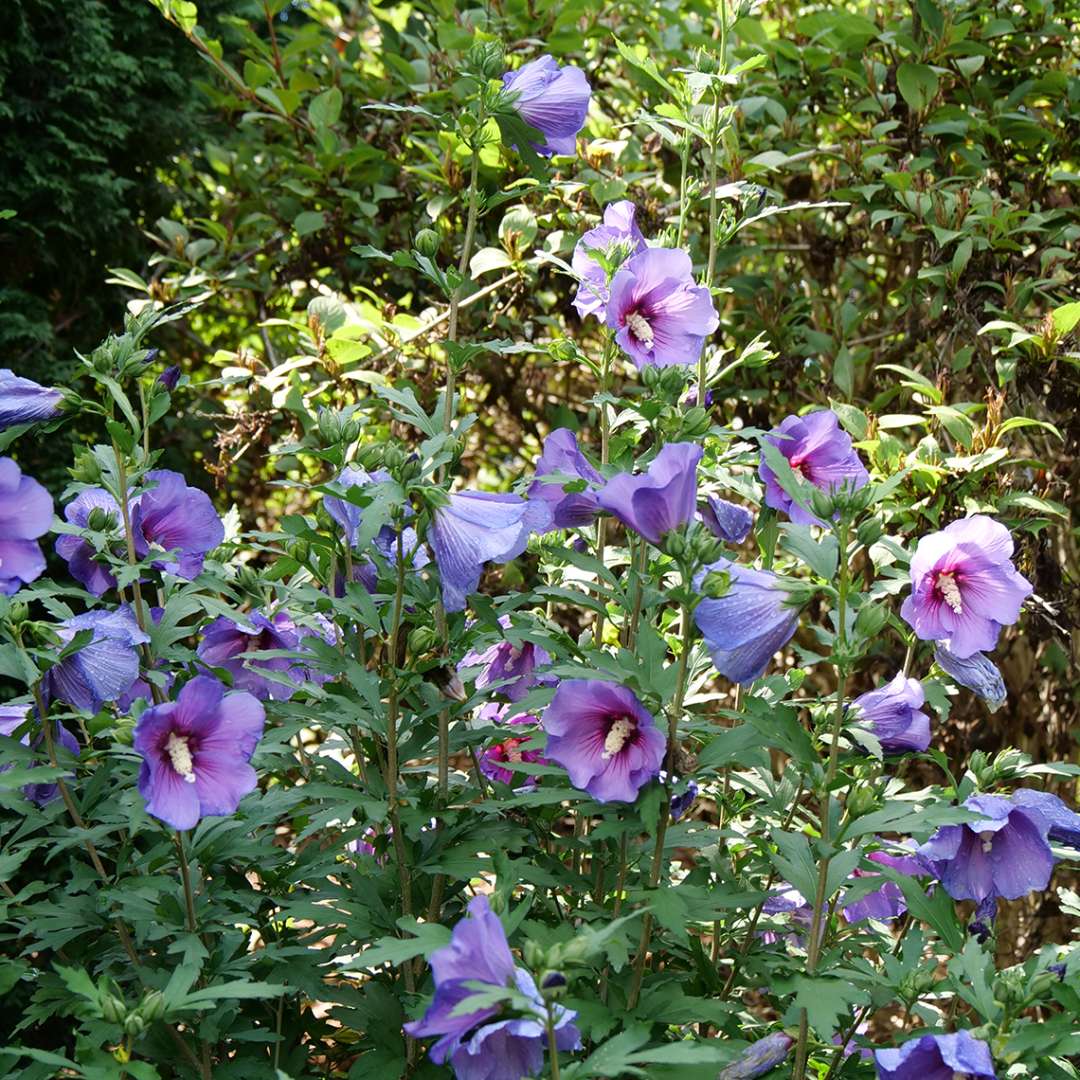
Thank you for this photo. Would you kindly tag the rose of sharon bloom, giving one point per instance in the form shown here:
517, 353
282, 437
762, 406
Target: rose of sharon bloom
79, 553
172, 517
552, 99
964, 587
103, 670
12, 717
26, 511
727, 521
937, 1057
618, 234
510, 751
660, 499
894, 714
747, 626
225, 644
507, 668
887, 902
790, 902
604, 738
659, 314
196, 752
977, 672
478, 1044
348, 515
759, 1058
23, 401
561, 456
681, 801
820, 452
475, 527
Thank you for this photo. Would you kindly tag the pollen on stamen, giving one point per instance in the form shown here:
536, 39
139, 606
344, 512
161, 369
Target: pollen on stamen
180, 756
950, 592
621, 732
640, 328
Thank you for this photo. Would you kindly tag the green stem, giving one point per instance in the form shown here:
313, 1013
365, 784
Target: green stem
605, 455
185, 877
553, 1046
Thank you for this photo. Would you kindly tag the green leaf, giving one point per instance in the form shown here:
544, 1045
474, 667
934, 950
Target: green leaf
237, 990
795, 862
309, 221
828, 1002
822, 556
325, 109
918, 85
1065, 318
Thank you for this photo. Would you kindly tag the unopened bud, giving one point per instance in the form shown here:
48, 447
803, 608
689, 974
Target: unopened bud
822, 504
486, 58
152, 1006
423, 639
553, 985
170, 377
760, 1058
869, 532
113, 1009
695, 422
86, 469
101, 520
134, 1025
427, 242
674, 544
563, 350
17, 612
716, 584
871, 620
330, 426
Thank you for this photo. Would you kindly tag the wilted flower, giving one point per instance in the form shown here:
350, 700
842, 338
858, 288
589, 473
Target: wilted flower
509, 751
977, 672
930, 1057
659, 500
172, 517
196, 752
477, 1044
820, 453
227, 644
23, 401
759, 1058
12, 717
552, 99
26, 511
561, 456
887, 902
618, 234
894, 714
683, 800
964, 586
79, 553
747, 626
170, 377
659, 314
102, 670
603, 736
475, 527
505, 664
727, 521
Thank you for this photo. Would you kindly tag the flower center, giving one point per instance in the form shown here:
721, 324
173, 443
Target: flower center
180, 755
640, 328
621, 732
950, 592
987, 839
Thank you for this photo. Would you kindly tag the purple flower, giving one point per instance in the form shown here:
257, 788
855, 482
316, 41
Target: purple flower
495, 712
894, 714
819, 452
618, 236
79, 553
561, 456
759, 1058
1063, 825
170, 377
964, 586
977, 672
553, 100
23, 401
506, 667
659, 500
726, 520
227, 644
26, 511
787, 901
603, 736
196, 752
682, 801
347, 514
173, 517
659, 315
102, 670
475, 527
888, 902
363, 845
477, 1044
747, 626
509, 751
12, 717
936, 1057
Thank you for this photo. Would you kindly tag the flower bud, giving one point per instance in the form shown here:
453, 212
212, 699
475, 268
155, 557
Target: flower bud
300, 550
393, 457
86, 469
152, 1006
17, 613
651, 376
861, 800
563, 350
101, 520
871, 620
534, 954
370, 457
822, 504
760, 1058
427, 242
170, 377
134, 1025
717, 584
486, 58
113, 1009
674, 544
695, 422
423, 639
329, 426
672, 382
553, 985
869, 532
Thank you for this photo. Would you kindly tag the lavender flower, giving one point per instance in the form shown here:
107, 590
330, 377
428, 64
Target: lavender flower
893, 713
561, 456
977, 672
1063, 825
172, 517
659, 500
727, 521
964, 586
790, 902
937, 1057
509, 751
682, 801
23, 401
601, 734
819, 452
79, 553
12, 717
477, 1044
746, 627
659, 315
759, 1058
507, 668
888, 902
552, 99
347, 514
618, 235
102, 670
227, 644
196, 752
26, 511
475, 527
170, 377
